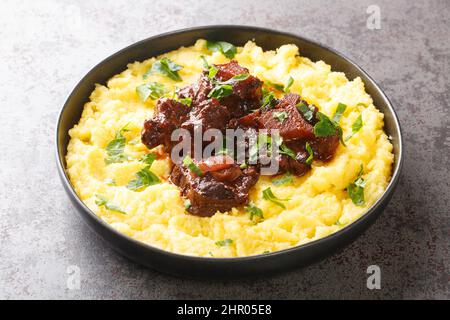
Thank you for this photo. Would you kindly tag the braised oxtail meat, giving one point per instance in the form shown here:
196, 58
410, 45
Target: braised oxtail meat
169, 116
209, 114
218, 182
221, 188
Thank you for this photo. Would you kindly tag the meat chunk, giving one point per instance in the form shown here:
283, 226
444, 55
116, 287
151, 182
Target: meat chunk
198, 91
209, 114
287, 119
218, 190
324, 147
158, 130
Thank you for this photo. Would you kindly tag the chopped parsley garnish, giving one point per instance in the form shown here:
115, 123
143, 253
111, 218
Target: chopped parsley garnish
284, 149
288, 85
186, 101
280, 115
144, 178
152, 90
103, 201
205, 62
189, 163
268, 98
243, 166
115, 148
311, 154
148, 158
276, 86
187, 204
165, 67
356, 126
269, 196
225, 89
286, 178
254, 211
306, 110
356, 189
227, 49
224, 243
212, 72
327, 127
339, 112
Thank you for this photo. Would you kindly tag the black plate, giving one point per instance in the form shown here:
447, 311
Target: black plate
200, 267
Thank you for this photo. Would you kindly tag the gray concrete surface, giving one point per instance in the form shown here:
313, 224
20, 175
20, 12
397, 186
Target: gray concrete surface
47, 46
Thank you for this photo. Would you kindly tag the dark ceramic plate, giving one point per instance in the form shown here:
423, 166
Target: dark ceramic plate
199, 267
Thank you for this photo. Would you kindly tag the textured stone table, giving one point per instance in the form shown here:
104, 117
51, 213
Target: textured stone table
47, 46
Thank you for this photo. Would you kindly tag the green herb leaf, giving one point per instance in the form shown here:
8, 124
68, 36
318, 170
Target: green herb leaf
221, 91
152, 90
356, 126
225, 89
186, 101
115, 148
187, 204
339, 112
243, 166
103, 201
189, 163
288, 85
269, 196
144, 178
148, 158
306, 110
276, 86
165, 67
284, 179
212, 72
224, 243
356, 189
227, 49
311, 154
284, 149
205, 62
280, 115
268, 98
325, 127
254, 211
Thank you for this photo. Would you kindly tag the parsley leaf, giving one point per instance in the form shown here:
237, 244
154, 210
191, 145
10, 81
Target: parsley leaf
224, 243
284, 149
325, 127
212, 72
288, 85
356, 189
115, 148
152, 90
187, 204
276, 86
227, 49
280, 115
205, 62
356, 126
306, 110
189, 163
254, 211
148, 158
103, 201
286, 178
144, 178
268, 98
186, 101
165, 67
311, 154
339, 112
225, 89
269, 196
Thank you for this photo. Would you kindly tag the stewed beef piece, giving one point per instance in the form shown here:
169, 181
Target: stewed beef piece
222, 185
170, 114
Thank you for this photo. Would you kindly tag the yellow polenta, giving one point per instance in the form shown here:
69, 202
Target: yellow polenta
318, 205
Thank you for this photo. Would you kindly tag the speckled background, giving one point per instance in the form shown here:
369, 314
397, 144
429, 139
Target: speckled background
47, 46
